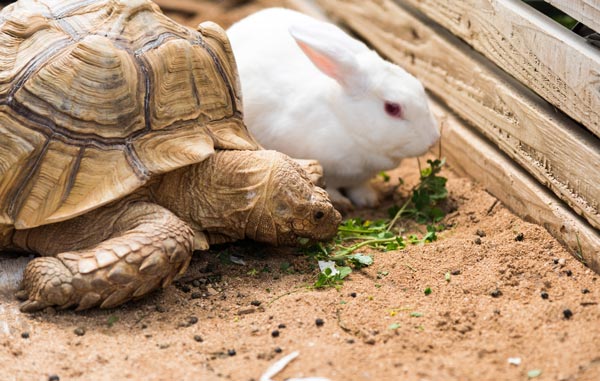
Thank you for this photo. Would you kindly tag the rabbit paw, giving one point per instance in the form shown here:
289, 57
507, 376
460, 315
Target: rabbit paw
363, 195
339, 201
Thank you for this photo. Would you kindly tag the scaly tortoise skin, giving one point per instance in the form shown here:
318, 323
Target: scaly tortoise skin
123, 149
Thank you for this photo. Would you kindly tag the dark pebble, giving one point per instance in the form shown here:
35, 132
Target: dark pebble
231, 352
585, 291
319, 322
198, 338
567, 313
79, 331
455, 272
544, 295
281, 326
192, 320
370, 341
477, 241
520, 237
54, 377
275, 333
278, 350
160, 308
256, 303
496, 293
568, 272
196, 295
350, 341
480, 233
353, 294
25, 335
185, 288
196, 283
555, 260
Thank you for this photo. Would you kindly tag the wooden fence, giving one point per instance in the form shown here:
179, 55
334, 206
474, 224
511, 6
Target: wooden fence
518, 94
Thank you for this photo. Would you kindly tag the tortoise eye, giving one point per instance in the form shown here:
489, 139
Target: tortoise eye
393, 109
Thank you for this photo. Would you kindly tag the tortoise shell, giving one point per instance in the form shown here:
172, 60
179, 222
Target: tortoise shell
96, 97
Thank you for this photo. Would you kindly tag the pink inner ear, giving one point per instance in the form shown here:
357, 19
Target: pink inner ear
320, 61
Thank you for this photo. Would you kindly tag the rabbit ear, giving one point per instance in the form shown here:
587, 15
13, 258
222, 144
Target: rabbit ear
332, 51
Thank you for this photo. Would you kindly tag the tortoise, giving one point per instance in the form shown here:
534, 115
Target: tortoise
123, 149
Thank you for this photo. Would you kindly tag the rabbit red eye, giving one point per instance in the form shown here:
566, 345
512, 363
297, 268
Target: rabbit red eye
393, 109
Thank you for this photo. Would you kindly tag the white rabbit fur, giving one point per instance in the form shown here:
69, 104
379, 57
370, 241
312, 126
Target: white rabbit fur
335, 112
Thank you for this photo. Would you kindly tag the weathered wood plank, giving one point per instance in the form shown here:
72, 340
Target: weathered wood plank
586, 11
515, 188
556, 63
555, 150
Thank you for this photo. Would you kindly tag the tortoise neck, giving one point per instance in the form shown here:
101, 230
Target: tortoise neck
218, 196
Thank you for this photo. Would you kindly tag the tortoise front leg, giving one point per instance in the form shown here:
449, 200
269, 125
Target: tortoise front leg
126, 255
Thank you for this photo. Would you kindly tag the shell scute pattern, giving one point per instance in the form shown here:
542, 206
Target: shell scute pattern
98, 96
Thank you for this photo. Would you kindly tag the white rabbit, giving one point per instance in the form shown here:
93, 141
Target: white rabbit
312, 91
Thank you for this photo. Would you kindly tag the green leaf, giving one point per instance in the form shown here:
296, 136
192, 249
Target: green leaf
394, 326
534, 373
112, 319
427, 291
360, 260
447, 277
385, 176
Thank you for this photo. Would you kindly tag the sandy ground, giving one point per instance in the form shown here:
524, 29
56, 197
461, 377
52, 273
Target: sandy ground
506, 298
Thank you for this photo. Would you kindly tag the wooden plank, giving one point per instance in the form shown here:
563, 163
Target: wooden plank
516, 188
555, 150
556, 63
586, 11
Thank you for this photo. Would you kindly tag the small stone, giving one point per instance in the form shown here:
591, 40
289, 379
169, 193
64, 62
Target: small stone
54, 377
192, 320
480, 233
350, 341
79, 331
278, 350
196, 295
567, 313
164, 346
231, 352
319, 322
562, 261
370, 341
198, 338
544, 295
185, 288
353, 294
160, 308
568, 272
520, 237
275, 333
496, 293
477, 241
585, 291
555, 260
256, 303
211, 291
455, 272
196, 283
25, 335
281, 326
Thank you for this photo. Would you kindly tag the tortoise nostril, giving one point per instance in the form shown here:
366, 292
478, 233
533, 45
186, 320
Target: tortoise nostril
319, 215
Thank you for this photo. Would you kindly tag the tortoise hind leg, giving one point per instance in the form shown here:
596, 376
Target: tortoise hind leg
146, 247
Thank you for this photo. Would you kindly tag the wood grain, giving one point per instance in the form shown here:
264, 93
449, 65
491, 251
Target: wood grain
554, 62
586, 11
554, 149
527, 198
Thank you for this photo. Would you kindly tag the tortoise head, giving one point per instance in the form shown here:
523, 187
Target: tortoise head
291, 208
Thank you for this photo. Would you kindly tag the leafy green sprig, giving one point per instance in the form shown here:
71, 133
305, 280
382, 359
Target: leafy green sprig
340, 255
